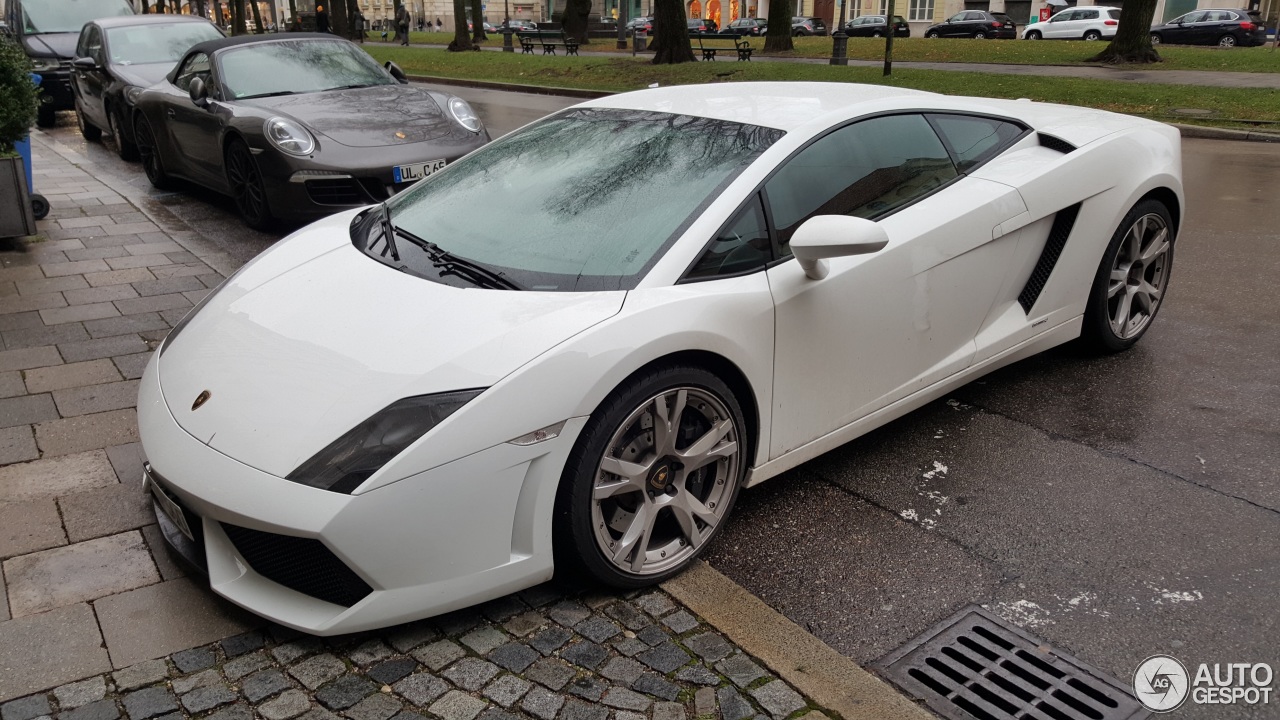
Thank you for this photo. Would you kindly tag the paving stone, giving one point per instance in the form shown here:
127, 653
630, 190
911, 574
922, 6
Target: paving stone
207, 698
80, 693
657, 686
732, 705
11, 384
622, 670
680, 622
132, 366
262, 685
438, 654
653, 635
289, 704
494, 713
568, 613
525, 623
421, 689
316, 671
241, 666
239, 711
575, 709
165, 286
664, 658
542, 703
551, 672
61, 377
668, 711
105, 511
370, 652
585, 686
620, 697
503, 608
154, 303
125, 324
48, 579
124, 261
28, 358
627, 614
104, 294
514, 656
778, 699
704, 701
149, 702
550, 640
345, 692
597, 629
710, 646
87, 432
470, 673
484, 639
44, 335
544, 594
288, 652
25, 708
143, 673
629, 646
17, 321
698, 675
392, 671
740, 669
375, 707
243, 643
160, 619
75, 268
30, 303
26, 410
410, 715
204, 678
96, 398
585, 653
79, 314
50, 285
507, 689
166, 559
102, 348
55, 476
97, 710
628, 715
407, 637
29, 526
457, 705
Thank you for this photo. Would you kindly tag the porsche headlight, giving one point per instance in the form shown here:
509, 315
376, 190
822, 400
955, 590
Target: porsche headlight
289, 136
131, 94
352, 458
463, 113
43, 64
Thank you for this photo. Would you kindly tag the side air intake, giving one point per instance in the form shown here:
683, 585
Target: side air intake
1062, 224
1054, 143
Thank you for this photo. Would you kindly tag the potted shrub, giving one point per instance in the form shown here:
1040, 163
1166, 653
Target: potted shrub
17, 112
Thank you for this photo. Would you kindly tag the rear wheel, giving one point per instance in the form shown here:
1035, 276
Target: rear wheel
1033, 35
247, 186
1155, 38
1093, 35
1131, 280
88, 130
876, 34
1227, 41
979, 35
149, 153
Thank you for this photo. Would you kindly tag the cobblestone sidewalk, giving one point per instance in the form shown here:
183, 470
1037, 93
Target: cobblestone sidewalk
539, 654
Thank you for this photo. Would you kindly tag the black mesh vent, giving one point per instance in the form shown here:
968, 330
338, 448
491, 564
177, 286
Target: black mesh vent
338, 191
1054, 143
301, 564
1062, 224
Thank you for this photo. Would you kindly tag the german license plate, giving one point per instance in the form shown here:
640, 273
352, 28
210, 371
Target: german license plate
416, 171
170, 508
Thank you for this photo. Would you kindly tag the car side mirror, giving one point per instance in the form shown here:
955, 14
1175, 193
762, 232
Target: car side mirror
198, 92
829, 236
397, 73
84, 63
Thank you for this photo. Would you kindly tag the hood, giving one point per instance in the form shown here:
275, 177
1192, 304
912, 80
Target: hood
62, 45
294, 361
144, 75
368, 117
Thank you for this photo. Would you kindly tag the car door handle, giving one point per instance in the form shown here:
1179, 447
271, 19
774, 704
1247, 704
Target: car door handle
170, 112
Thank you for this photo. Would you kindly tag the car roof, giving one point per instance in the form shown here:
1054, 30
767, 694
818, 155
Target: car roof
212, 46
150, 19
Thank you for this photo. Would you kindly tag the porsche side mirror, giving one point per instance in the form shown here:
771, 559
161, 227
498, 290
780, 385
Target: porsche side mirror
397, 73
828, 236
198, 92
84, 63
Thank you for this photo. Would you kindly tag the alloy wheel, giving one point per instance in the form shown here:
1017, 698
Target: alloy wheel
147, 152
1138, 276
246, 185
1155, 39
666, 480
1227, 41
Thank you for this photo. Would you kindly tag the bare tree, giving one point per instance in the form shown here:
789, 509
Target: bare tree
461, 40
574, 19
670, 33
778, 37
477, 22
1132, 43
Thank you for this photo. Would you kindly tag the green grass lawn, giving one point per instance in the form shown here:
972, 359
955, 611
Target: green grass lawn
626, 73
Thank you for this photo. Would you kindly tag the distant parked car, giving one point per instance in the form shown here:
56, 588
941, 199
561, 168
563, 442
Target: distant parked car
1080, 23
978, 24
801, 26
640, 24
698, 25
1224, 28
746, 26
522, 25
875, 26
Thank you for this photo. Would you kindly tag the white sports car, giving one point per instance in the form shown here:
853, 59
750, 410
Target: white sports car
672, 294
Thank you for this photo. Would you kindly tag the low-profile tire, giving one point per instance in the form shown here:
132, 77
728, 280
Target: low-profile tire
126, 148
88, 130
1227, 41
638, 501
1093, 35
248, 189
149, 154
46, 116
1155, 39
932, 35
1033, 35
1132, 279
979, 35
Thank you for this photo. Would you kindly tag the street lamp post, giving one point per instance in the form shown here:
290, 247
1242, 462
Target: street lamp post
840, 40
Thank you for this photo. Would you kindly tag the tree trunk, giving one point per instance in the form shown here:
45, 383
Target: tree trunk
778, 37
237, 17
670, 33
461, 40
1132, 43
293, 12
574, 19
355, 21
338, 24
257, 16
395, 20
888, 41
477, 22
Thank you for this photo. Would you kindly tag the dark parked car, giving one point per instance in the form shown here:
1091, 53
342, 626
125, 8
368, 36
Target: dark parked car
875, 26
326, 129
1224, 28
745, 26
521, 25
974, 24
640, 24
48, 31
698, 25
116, 58
801, 26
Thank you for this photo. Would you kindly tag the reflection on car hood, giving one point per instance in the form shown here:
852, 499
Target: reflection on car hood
316, 337
61, 45
144, 75
367, 117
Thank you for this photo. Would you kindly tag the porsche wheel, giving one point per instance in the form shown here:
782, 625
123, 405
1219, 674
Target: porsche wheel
247, 188
88, 130
148, 152
1132, 279
652, 478
125, 146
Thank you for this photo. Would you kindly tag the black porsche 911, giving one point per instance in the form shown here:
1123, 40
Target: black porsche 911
119, 56
296, 127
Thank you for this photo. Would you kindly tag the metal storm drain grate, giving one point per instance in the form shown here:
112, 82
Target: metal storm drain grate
976, 667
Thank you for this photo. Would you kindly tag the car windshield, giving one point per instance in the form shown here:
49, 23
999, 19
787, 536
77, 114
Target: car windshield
60, 16
587, 199
297, 66
140, 44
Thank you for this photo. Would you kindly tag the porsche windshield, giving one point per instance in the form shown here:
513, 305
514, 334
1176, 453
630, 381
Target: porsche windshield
64, 16
587, 199
297, 66
141, 44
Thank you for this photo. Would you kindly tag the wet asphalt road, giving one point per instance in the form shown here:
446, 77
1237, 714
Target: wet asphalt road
1116, 507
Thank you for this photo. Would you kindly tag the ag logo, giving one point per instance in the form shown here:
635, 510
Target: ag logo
1161, 683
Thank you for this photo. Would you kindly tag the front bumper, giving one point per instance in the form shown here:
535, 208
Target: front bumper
55, 89
462, 533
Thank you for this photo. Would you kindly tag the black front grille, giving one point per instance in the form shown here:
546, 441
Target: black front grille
301, 564
337, 191
1058, 234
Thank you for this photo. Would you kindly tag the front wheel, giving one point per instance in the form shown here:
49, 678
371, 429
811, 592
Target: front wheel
1033, 35
149, 153
931, 34
1155, 38
652, 478
1093, 35
1227, 41
247, 187
1131, 280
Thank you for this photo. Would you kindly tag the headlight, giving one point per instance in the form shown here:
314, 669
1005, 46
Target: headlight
463, 113
131, 94
43, 64
289, 136
352, 458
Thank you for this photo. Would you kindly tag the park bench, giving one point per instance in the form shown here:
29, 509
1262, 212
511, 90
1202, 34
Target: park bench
706, 43
549, 40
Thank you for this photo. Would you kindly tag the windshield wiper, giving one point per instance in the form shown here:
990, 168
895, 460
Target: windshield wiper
270, 94
389, 235
449, 264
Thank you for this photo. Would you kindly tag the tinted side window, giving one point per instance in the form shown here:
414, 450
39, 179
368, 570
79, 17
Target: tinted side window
1114, 14
1088, 14
743, 245
195, 65
974, 140
865, 169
